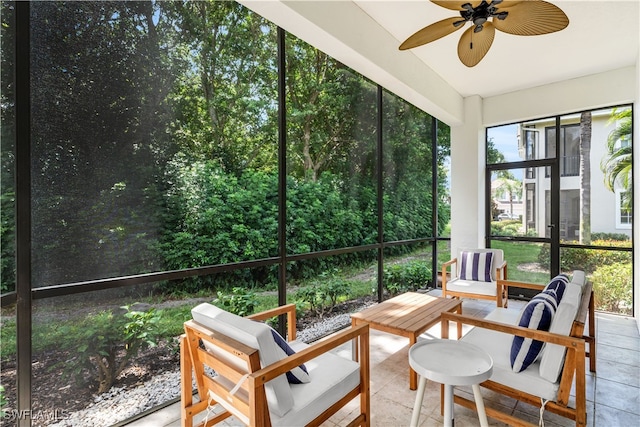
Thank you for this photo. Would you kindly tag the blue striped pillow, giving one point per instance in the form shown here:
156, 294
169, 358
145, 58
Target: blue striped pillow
537, 314
297, 375
476, 266
558, 283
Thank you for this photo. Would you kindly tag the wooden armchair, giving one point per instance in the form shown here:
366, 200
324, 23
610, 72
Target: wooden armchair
232, 360
476, 280
534, 385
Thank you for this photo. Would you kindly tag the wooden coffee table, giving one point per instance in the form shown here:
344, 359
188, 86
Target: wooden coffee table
408, 315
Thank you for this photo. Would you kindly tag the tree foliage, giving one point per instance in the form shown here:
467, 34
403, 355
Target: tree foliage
155, 146
617, 165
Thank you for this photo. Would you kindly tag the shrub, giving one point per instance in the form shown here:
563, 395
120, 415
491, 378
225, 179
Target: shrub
588, 260
613, 288
241, 301
104, 343
323, 296
3, 402
215, 217
409, 276
609, 236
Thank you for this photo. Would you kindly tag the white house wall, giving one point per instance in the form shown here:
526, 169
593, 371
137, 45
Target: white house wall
603, 201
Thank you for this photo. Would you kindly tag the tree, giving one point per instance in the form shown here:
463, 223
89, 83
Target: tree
617, 165
7, 149
322, 104
99, 138
225, 105
510, 185
493, 154
585, 178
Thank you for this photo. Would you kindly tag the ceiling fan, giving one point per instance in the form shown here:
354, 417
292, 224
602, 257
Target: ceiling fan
519, 17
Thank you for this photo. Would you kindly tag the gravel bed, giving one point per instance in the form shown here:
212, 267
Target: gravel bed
119, 404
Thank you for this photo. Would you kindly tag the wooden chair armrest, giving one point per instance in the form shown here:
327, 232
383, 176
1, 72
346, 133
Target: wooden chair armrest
515, 284
288, 309
448, 263
444, 271
274, 370
501, 274
563, 340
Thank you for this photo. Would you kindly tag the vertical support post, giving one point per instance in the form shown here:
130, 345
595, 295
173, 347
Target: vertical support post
554, 227
282, 177
380, 166
435, 232
23, 208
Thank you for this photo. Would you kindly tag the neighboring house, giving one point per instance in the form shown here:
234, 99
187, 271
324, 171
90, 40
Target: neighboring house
506, 202
537, 141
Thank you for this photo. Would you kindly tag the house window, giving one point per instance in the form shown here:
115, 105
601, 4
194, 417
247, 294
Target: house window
530, 137
530, 206
624, 217
569, 148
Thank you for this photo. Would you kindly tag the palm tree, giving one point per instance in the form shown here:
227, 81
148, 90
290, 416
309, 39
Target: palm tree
507, 183
617, 165
585, 177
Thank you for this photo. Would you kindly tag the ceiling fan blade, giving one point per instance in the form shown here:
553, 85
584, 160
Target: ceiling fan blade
456, 4
531, 18
432, 32
508, 3
472, 47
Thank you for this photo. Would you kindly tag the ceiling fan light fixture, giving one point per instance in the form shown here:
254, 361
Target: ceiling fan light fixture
479, 20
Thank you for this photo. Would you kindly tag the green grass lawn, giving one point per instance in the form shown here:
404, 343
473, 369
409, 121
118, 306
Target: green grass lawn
518, 254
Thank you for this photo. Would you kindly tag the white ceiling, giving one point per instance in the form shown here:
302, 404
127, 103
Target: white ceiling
601, 36
602, 42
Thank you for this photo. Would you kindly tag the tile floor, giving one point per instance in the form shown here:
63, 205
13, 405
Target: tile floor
613, 393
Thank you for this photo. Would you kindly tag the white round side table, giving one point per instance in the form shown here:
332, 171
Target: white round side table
451, 363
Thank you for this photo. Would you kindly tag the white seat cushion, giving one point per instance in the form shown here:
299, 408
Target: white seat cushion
332, 376
498, 345
472, 287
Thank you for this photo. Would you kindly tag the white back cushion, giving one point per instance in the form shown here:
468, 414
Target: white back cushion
552, 358
579, 277
572, 294
255, 335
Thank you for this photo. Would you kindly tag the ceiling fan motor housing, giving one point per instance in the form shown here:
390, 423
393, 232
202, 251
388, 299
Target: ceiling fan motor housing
480, 14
